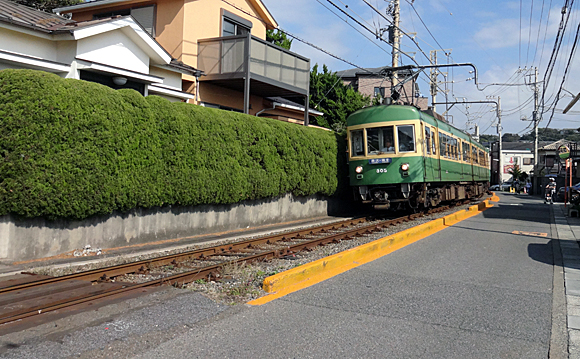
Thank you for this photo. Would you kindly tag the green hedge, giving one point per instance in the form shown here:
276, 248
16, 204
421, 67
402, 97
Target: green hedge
73, 149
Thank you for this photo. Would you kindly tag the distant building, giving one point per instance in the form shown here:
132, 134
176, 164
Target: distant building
376, 82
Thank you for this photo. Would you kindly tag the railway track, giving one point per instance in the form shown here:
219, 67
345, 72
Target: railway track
27, 295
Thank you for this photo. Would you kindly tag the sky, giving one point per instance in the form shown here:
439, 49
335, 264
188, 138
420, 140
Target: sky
505, 40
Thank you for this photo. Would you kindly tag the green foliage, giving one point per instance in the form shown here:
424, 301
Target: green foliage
545, 134
73, 149
47, 5
337, 101
279, 38
488, 138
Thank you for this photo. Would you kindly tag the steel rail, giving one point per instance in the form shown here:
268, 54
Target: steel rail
141, 266
180, 279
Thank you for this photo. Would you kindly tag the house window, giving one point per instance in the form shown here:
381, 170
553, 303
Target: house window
234, 25
145, 16
380, 92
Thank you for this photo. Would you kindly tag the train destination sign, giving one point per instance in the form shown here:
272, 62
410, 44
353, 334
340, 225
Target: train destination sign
378, 161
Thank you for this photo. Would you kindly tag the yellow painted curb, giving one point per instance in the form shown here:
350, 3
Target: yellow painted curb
315, 272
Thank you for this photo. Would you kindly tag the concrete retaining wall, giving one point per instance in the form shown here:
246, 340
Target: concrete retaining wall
23, 239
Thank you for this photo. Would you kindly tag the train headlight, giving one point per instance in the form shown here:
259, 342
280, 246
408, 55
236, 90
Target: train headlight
358, 169
405, 167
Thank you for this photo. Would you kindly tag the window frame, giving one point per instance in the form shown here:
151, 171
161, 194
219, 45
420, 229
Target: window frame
398, 141
237, 21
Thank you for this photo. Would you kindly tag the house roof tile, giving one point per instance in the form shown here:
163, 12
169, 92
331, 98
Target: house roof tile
22, 15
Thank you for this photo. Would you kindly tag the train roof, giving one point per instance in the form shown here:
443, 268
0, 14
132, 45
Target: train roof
384, 113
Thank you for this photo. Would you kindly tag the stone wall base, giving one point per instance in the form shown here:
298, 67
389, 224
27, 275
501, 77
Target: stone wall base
24, 239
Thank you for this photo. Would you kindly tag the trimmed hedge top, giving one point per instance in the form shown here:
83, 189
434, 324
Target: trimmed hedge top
74, 149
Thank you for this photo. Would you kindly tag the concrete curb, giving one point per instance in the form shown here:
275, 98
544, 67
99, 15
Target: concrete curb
309, 274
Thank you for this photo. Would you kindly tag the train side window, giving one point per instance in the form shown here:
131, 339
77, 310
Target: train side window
406, 137
474, 155
356, 143
453, 148
433, 142
427, 140
466, 152
459, 147
482, 158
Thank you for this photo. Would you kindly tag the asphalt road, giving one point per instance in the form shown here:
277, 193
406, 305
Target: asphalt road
474, 290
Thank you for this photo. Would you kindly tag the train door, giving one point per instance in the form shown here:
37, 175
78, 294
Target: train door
465, 165
474, 161
427, 159
432, 164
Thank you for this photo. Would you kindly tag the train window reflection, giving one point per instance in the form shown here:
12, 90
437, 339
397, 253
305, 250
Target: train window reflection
427, 140
380, 140
406, 136
356, 143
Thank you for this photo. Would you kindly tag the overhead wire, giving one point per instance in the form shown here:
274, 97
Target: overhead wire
357, 30
572, 52
538, 35
530, 31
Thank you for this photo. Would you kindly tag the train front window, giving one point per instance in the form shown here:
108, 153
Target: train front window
406, 135
380, 140
356, 143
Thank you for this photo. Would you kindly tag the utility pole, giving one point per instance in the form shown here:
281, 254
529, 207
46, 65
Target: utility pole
535, 119
433, 77
396, 43
500, 155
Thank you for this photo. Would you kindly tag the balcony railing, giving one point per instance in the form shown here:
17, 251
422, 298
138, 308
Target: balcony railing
232, 57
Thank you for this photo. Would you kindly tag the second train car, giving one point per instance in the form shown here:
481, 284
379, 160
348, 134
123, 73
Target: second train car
400, 157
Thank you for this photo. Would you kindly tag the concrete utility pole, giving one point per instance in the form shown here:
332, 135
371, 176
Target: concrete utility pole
500, 156
433, 77
535, 119
396, 42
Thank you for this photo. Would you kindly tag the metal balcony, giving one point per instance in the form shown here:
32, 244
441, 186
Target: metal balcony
253, 66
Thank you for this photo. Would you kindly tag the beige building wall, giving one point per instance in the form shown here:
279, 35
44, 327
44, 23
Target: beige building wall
203, 20
366, 86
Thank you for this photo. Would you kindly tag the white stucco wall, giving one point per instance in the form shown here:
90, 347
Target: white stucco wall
25, 44
170, 78
514, 157
113, 48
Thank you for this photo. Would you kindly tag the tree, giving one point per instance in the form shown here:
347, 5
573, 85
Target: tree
331, 96
488, 138
279, 38
510, 137
48, 5
517, 173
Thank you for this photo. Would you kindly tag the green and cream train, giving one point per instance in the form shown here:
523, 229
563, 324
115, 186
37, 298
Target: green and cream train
400, 157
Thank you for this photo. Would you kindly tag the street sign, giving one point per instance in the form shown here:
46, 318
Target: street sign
563, 152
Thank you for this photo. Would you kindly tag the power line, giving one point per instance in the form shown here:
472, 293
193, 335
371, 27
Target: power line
572, 51
429, 31
321, 49
357, 30
530, 31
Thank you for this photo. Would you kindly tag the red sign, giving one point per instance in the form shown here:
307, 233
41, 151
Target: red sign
507, 168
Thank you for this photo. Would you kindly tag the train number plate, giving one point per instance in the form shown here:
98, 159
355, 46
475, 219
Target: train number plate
378, 161
381, 170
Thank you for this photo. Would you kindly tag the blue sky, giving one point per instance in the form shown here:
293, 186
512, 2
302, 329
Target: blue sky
490, 34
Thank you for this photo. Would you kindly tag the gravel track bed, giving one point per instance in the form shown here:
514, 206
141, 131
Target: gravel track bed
241, 283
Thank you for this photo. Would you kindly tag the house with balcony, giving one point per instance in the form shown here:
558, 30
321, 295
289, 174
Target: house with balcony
376, 83
225, 40
113, 51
